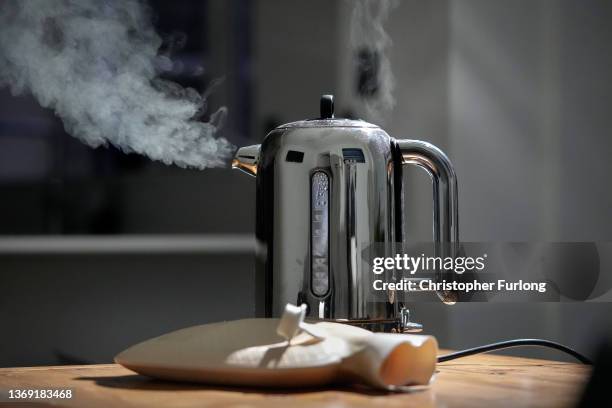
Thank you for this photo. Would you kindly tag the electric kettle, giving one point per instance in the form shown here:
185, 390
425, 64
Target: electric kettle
326, 188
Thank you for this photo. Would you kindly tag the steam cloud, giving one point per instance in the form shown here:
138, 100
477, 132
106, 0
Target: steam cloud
95, 63
370, 44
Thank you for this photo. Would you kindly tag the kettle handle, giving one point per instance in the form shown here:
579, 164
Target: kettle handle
445, 198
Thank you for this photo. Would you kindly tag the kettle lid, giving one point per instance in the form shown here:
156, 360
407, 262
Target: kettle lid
327, 118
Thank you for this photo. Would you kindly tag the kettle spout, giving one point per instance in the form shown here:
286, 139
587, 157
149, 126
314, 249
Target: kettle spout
246, 159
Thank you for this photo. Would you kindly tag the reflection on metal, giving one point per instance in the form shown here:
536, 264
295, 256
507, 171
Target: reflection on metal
363, 166
354, 273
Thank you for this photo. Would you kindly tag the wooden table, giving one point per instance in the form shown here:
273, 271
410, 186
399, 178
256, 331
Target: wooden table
477, 381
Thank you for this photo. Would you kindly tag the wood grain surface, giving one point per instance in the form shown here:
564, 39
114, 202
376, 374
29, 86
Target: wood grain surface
477, 381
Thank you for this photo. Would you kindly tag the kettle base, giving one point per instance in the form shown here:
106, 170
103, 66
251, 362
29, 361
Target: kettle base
378, 325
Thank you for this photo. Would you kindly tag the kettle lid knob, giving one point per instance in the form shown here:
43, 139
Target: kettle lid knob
327, 106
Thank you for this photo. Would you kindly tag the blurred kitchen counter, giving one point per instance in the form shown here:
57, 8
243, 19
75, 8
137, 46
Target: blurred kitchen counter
477, 381
128, 244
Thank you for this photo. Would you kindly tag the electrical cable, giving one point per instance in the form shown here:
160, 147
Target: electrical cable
514, 343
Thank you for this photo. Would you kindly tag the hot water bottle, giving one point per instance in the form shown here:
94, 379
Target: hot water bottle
286, 352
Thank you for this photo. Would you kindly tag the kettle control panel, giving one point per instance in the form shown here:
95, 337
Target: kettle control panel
319, 233
353, 155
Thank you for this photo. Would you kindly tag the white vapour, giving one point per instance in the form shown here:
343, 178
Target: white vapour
368, 33
94, 63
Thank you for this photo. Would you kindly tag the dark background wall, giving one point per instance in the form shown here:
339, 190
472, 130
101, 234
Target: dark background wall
516, 92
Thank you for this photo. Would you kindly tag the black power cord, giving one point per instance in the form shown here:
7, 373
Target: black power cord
514, 343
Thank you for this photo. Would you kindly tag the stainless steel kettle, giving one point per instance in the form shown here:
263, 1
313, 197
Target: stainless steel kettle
327, 187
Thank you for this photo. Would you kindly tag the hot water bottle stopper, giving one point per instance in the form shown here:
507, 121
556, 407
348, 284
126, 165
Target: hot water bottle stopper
286, 352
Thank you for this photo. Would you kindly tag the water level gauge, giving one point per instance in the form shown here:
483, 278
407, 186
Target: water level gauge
319, 233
